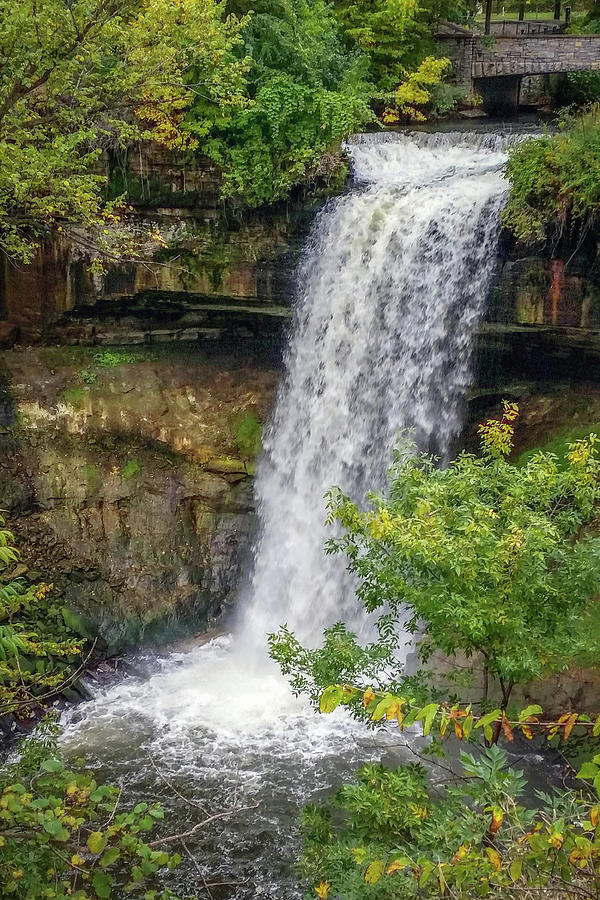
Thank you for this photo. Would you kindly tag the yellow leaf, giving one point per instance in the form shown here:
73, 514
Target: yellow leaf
398, 865
368, 696
494, 857
556, 839
374, 871
322, 890
460, 853
595, 815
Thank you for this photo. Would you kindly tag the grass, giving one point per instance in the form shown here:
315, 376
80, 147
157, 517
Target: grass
559, 444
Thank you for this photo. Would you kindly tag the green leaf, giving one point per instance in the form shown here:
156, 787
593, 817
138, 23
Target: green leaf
427, 715
55, 829
331, 698
111, 856
533, 710
96, 842
467, 727
588, 770
52, 765
516, 867
102, 884
596, 728
382, 707
488, 719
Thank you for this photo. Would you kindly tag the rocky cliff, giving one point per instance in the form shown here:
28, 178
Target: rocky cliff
126, 479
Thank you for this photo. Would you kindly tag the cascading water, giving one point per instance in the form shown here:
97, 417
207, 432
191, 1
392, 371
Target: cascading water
393, 284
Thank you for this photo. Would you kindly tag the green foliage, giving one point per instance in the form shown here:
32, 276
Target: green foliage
68, 85
37, 649
397, 838
555, 181
131, 469
247, 431
109, 359
307, 93
88, 376
484, 559
63, 835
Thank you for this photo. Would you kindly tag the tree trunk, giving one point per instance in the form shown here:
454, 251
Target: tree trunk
488, 16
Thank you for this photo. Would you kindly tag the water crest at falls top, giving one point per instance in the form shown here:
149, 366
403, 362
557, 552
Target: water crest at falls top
391, 288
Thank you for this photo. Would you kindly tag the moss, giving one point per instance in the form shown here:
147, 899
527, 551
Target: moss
131, 469
108, 359
559, 443
246, 430
93, 476
75, 397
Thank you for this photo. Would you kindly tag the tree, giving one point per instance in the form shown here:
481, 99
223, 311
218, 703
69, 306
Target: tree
307, 93
491, 562
485, 560
77, 76
390, 835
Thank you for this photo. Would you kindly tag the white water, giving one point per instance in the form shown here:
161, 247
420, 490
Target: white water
391, 289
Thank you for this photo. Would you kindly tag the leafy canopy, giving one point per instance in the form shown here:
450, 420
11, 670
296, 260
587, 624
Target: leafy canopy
83, 75
307, 93
555, 181
485, 560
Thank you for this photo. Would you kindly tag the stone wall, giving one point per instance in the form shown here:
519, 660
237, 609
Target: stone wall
536, 54
493, 67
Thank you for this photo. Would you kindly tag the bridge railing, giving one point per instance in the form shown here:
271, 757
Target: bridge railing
516, 28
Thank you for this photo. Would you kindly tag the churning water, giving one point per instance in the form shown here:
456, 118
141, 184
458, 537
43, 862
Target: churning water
391, 289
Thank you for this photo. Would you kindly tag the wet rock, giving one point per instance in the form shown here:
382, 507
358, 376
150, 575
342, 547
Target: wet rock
9, 334
142, 522
17, 572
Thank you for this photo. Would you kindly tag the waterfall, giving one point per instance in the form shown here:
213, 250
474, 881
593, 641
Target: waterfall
391, 288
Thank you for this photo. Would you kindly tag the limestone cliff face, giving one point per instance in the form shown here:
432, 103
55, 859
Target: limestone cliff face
129, 485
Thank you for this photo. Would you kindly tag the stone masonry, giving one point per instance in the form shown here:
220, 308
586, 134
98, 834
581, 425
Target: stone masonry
493, 67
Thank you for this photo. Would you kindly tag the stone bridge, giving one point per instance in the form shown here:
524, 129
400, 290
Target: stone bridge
493, 66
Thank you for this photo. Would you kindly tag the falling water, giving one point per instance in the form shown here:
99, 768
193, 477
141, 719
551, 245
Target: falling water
391, 289
393, 284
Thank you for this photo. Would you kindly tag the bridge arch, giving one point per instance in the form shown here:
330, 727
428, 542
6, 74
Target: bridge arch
495, 67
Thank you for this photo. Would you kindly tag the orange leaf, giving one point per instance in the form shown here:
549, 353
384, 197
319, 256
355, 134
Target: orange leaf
506, 728
458, 730
497, 819
571, 720
397, 866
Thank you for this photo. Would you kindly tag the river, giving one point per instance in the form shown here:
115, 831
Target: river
391, 288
